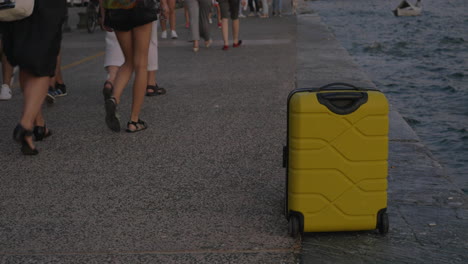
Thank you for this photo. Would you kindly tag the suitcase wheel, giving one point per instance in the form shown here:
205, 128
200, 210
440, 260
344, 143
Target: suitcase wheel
294, 226
383, 223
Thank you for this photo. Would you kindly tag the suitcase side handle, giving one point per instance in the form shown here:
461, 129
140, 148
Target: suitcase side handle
342, 103
330, 85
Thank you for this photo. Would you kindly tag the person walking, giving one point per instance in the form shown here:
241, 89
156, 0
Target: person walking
169, 14
132, 22
114, 59
254, 10
230, 9
199, 22
277, 6
8, 73
33, 43
265, 9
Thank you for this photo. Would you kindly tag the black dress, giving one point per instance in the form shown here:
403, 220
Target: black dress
33, 43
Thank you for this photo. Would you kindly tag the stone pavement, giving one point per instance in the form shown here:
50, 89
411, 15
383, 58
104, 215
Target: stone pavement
204, 184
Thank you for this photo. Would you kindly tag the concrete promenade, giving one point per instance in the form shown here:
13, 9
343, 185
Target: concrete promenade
204, 184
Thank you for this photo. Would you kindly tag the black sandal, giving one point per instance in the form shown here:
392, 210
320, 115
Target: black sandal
41, 132
107, 92
156, 90
112, 120
139, 126
19, 135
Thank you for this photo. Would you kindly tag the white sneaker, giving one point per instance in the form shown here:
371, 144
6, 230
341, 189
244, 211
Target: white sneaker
173, 34
164, 34
241, 16
210, 20
5, 92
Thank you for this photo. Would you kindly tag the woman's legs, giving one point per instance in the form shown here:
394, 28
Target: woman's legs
7, 70
194, 11
186, 14
34, 91
172, 17
265, 8
205, 8
251, 7
235, 31
141, 40
225, 30
124, 74
111, 74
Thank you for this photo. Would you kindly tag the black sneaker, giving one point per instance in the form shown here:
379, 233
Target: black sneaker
60, 89
50, 98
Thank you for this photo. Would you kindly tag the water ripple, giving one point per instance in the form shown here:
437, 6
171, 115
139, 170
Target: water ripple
420, 64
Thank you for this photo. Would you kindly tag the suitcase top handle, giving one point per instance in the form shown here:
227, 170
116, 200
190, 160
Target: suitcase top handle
342, 103
338, 84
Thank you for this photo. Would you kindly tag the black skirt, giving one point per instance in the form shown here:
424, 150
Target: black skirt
33, 43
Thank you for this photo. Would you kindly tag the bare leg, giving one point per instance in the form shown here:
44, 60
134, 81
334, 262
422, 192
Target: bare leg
111, 73
7, 70
34, 92
186, 14
172, 16
163, 24
152, 78
225, 30
58, 70
141, 40
124, 74
235, 31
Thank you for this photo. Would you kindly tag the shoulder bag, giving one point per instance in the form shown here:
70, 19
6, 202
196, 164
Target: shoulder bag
12, 10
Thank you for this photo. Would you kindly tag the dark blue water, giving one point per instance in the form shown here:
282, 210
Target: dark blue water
419, 62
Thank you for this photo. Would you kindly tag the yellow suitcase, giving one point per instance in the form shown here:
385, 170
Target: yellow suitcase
336, 159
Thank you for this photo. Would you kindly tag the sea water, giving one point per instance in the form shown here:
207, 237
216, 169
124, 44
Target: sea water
419, 62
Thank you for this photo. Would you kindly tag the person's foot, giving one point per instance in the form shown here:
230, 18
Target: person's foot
154, 90
251, 14
41, 132
236, 45
60, 89
219, 24
112, 120
187, 25
24, 137
137, 126
50, 98
5, 92
164, 34
225, 47
107, 90
210, 20
241, 16
174, 34
208, 43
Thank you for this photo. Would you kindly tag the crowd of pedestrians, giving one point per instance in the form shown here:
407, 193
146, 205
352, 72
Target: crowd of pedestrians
31, 46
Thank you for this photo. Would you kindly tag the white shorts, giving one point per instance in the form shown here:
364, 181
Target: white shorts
114, 55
